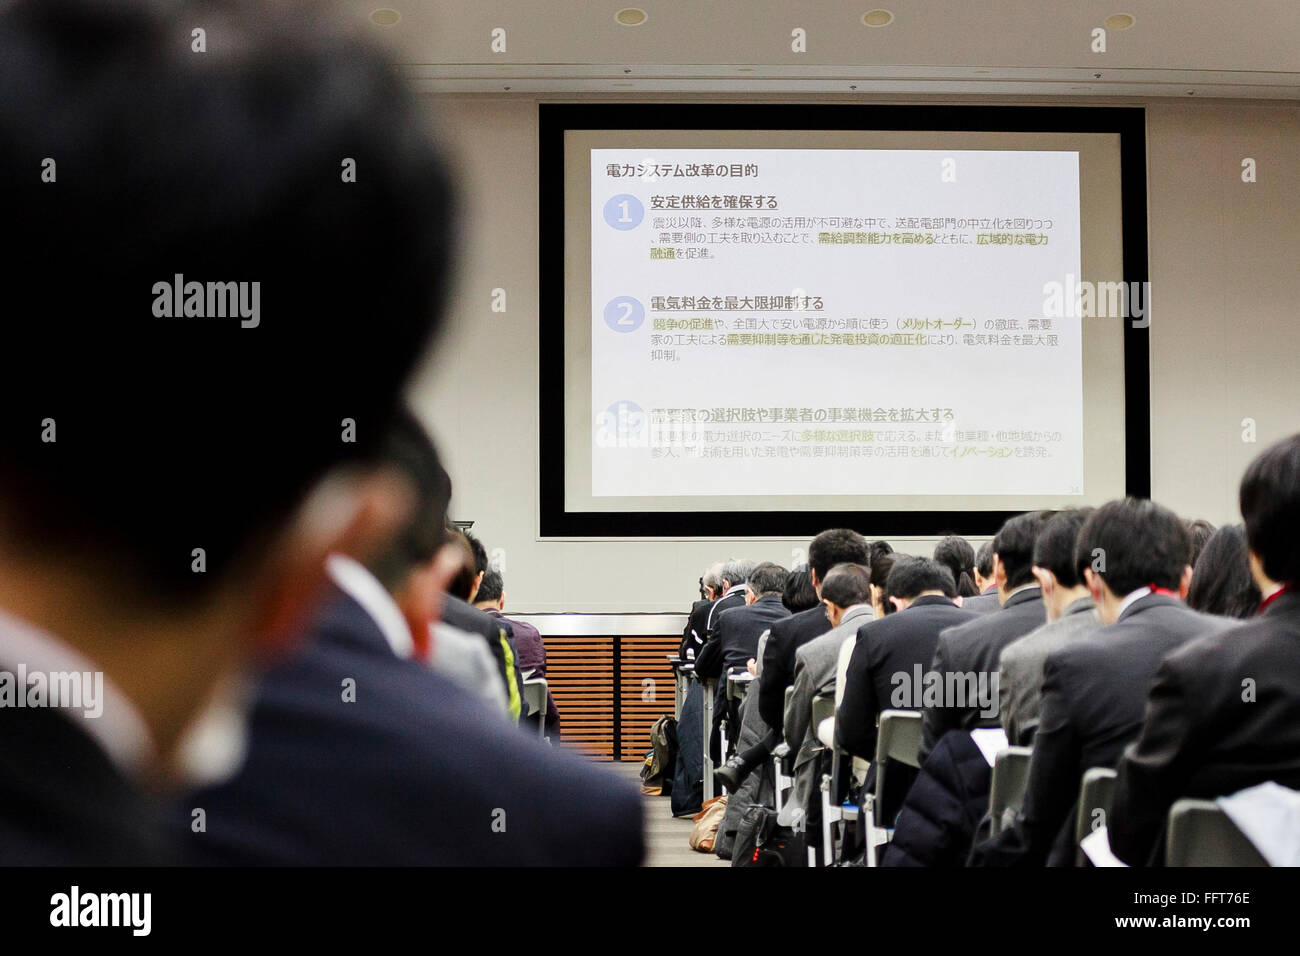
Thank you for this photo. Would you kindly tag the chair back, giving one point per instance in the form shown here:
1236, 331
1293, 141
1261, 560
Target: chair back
1010, 779
1095, 794
1200, 834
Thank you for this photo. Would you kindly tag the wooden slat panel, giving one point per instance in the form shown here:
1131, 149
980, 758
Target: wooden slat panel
645, 691
580, 671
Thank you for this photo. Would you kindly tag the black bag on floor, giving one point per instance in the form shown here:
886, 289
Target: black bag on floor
761, 841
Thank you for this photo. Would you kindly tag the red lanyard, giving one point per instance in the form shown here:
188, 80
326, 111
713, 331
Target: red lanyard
1164, 591
1263, 605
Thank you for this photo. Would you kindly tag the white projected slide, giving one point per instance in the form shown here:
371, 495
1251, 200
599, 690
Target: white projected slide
834, 322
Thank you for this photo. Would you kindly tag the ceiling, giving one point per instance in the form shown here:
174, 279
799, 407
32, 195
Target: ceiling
1241, 49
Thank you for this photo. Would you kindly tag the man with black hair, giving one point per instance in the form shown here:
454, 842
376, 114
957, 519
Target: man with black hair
1070, 616
526, 640
836, 546
190, 422
889, 650
361, 756
1223, 713
986, 600
1135, 556
966, 658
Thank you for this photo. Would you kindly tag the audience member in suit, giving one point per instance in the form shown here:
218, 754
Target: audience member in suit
1070, 616
890, 650
1224, 711
955, 553
836, 546
734, 575
736, 632
1095, 689
846, 593
1222, 580
526, 639
697, 622
971, 651
359, 755
171, 486
985, 600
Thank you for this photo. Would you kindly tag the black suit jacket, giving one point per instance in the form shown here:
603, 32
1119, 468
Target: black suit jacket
415, 771
697, 629
1094, 693
986, 602
787, 636
1203, 735
892, 645
974, 648
735, 635
63, 802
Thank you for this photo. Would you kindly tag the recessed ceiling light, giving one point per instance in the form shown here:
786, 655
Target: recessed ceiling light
877, 18
385, 17
1120, 21
631, 16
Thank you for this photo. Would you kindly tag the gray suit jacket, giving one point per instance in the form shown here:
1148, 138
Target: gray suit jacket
1020, 674
814, 672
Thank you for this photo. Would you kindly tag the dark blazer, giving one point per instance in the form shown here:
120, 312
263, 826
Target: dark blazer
416, 771
1203, 735
696, 630
975, 648
735, 635
63, 802
1094, 693
986, 602
895, 644
787, 636
735, 598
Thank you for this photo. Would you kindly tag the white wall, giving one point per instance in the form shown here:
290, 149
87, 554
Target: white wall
1225, 273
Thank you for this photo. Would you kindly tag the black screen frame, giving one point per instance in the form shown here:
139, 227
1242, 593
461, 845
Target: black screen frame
1129, 122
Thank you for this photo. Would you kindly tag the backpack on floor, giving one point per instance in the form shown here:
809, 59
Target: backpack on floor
661, 761
761, 841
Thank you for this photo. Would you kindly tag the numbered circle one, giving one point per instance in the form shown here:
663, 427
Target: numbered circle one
624, 314
622, 425
624, 212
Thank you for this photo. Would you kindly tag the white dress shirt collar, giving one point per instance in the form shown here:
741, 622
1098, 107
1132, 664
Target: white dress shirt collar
363, 587
1130, 599
111, 719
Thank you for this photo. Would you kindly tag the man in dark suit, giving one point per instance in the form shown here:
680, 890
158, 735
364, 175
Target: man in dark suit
1224, 712
733, 576
1095, 688
836, 546
358, 755
890, 650
987, 600
697, 621
171, 482
966, 658
736, 630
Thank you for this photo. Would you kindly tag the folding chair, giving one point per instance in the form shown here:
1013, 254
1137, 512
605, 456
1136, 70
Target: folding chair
1095, 793
1200, 834
783, 781
898, 737
1010, 779
535, 698
709, 686
679, 694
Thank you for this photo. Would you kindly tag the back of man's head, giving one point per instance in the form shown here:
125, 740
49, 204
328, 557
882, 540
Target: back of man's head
1014, 546
481, 563
1054, 549
491, 589
737, 571
210, 312
1132, 543
984, 560
767, 578
1200, 531
836, 546
910, 577
1270, 505
847, 584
